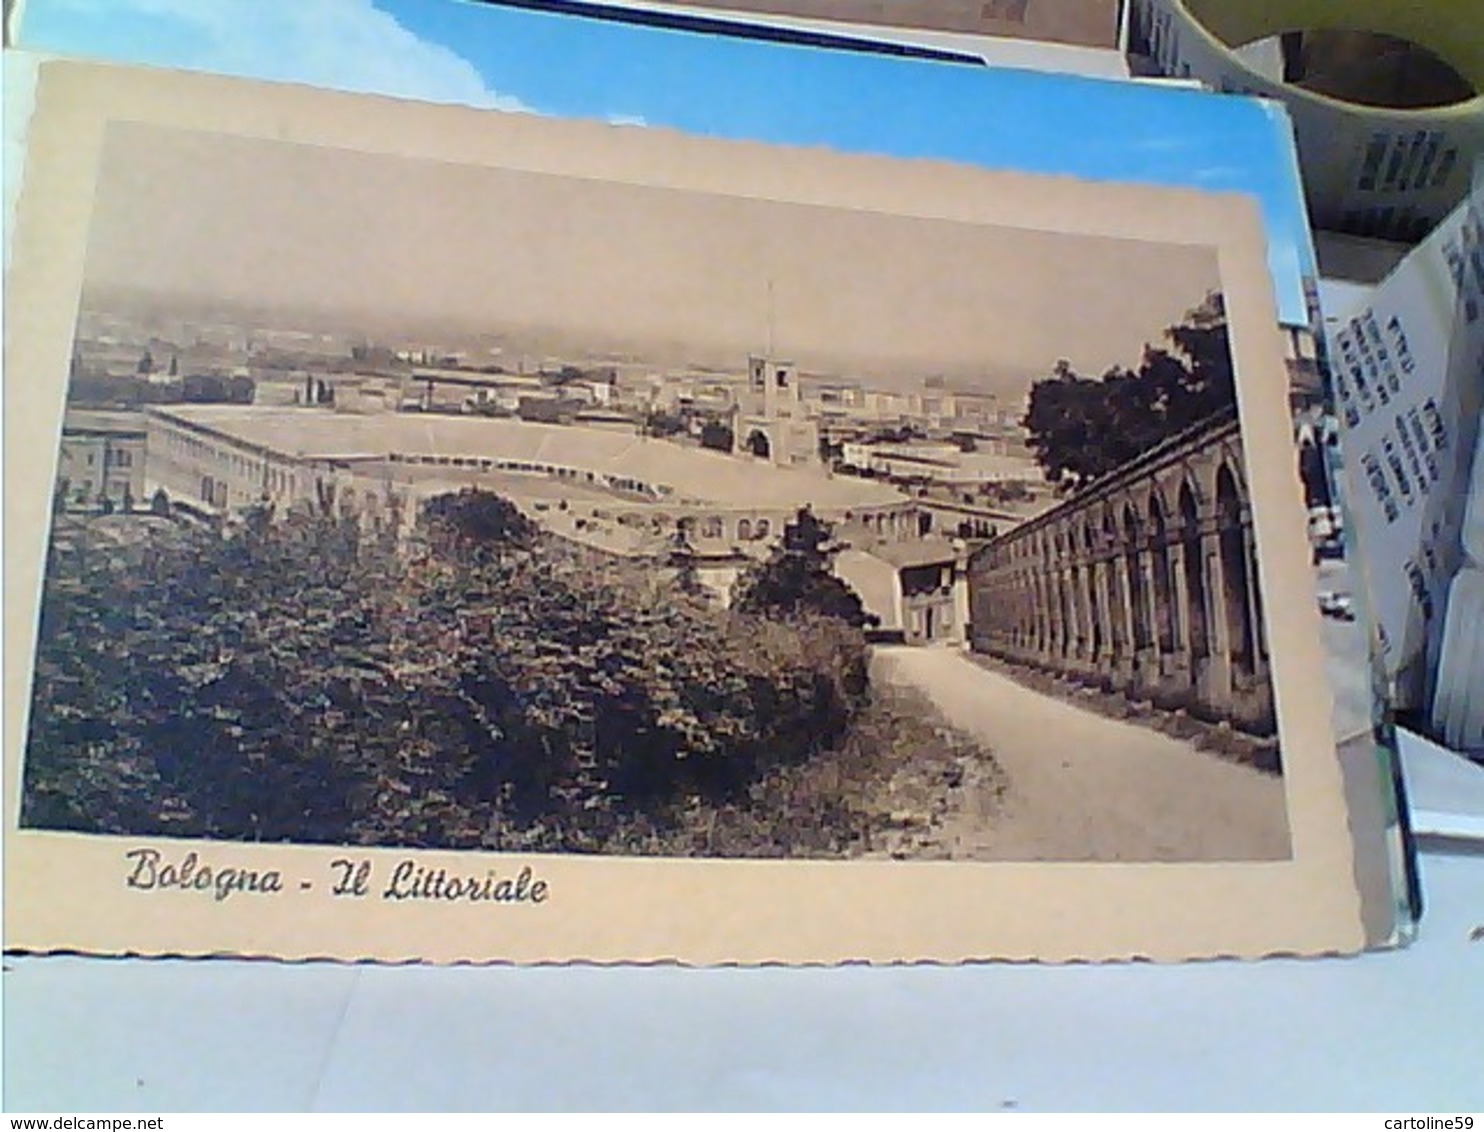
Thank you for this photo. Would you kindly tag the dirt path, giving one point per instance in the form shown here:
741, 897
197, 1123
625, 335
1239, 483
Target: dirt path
1085, 787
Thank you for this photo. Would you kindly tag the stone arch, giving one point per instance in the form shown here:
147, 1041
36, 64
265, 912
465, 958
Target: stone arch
1231, 463
1117, 590
1189, 476
1138, 592
759, 444
1163, 576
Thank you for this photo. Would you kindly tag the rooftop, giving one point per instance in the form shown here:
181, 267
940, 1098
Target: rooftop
917, 552
874, 581
692, 473
102, 420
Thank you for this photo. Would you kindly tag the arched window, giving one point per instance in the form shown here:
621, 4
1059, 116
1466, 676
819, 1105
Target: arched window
1197, 623
744, 530
762, 530
711, 527
1164, 587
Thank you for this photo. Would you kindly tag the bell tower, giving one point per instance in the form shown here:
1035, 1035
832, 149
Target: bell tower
771, 422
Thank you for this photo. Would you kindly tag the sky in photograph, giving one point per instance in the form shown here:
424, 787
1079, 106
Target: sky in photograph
456, 51
671, 275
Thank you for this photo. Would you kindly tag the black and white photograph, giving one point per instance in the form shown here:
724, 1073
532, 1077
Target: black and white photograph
412, 504
450, 535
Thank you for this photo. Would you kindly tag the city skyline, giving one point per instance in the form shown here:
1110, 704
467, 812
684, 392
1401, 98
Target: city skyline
704, 274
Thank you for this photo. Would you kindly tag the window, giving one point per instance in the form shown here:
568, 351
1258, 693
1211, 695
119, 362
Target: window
762, 530
712, 527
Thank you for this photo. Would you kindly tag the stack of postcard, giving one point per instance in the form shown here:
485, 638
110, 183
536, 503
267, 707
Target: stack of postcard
462, 534
1085, 23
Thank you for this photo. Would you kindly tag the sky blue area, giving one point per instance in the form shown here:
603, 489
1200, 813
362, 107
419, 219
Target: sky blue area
733, 88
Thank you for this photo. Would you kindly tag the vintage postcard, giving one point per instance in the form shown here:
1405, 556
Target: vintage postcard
459, 535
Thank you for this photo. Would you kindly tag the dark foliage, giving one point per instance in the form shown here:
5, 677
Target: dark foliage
477, 520
715, 434
298, 678
659, 423
1083, 428
796, 580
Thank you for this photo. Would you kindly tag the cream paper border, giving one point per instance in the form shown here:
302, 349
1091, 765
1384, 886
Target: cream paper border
66, 891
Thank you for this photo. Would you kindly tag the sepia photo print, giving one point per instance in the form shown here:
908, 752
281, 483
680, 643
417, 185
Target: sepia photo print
457, 520
478, 509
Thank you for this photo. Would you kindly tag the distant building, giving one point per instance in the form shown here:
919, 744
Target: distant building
101, 457
938, 463
917, 590
615, 490
771, 421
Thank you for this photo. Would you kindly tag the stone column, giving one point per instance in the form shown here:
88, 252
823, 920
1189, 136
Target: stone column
1217, 693
1123, 614
1051, 593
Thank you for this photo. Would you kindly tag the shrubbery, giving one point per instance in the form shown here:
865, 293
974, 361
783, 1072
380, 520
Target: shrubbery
296, 680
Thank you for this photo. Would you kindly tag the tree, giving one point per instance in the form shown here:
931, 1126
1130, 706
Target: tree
660, 423
239, 390
474, 520
715, 434
681, 557
204, 388
289, 679
1081, 429
796, 578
